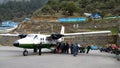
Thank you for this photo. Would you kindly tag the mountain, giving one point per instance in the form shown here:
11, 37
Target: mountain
79, 7
12, 9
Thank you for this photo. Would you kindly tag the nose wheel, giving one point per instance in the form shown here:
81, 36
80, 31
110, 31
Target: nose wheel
25, 52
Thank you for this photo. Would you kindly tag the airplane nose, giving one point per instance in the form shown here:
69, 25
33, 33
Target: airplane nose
16, 44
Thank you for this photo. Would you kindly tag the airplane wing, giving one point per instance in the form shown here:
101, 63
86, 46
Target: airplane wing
9, 34
87, 33
70, 35
19, 35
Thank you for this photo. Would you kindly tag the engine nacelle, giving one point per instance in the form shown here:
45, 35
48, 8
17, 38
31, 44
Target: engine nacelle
22, 35
56, 36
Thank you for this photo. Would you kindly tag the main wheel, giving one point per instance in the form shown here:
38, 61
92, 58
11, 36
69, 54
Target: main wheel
25, 53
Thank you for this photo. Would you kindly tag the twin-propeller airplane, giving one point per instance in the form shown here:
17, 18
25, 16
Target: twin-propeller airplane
38, 41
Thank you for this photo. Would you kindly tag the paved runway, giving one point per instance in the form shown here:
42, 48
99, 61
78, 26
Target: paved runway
11, 57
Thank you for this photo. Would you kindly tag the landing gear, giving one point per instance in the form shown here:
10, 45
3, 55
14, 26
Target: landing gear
25, 52
38, 47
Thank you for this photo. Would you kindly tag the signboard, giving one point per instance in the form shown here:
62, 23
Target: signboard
71, 19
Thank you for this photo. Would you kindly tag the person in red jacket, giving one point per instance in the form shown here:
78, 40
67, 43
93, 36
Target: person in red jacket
115, 46
117, 52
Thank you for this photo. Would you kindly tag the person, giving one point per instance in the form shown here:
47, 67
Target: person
88, 49
115, 49
58, 47
62, 47
75, 49
40, 47
66, 48
71, 48
81, 48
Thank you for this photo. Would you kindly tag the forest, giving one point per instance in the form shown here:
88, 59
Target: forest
12, 9
72, 7
17, 9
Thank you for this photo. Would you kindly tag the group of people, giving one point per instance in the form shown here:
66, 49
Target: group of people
111, 48
73, 48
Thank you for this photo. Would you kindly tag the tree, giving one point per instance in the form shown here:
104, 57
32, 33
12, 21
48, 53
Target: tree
116, 11
54, 5
13, 9
69, 7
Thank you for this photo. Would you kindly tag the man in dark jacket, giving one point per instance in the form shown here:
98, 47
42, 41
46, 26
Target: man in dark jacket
66, 48
75, 49
88, 49
71, 48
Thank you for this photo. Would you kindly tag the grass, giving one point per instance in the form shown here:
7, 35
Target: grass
114, 31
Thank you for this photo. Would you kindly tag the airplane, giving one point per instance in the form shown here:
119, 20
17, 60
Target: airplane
38, 41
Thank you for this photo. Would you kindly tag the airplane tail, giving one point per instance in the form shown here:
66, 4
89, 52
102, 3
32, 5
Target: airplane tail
62, 32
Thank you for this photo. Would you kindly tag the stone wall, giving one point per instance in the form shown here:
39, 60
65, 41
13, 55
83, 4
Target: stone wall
91, 40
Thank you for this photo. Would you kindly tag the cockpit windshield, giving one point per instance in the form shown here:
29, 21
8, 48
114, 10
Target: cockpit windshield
31, 35
35, 36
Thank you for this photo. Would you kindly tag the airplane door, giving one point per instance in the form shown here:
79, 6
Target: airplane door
36, 40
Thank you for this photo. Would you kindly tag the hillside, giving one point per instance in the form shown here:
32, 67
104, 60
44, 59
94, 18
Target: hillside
46, 25
79, 7
14, 9
36, 26
41, 18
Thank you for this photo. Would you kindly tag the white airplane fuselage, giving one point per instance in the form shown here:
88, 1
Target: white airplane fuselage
32, 40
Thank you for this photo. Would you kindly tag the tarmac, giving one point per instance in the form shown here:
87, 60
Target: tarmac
11, 57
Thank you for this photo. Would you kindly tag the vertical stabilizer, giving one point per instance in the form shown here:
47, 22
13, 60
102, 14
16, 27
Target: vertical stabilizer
62, 30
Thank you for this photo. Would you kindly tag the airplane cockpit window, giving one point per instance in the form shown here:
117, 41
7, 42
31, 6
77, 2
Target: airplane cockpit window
41, 39
35, 36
